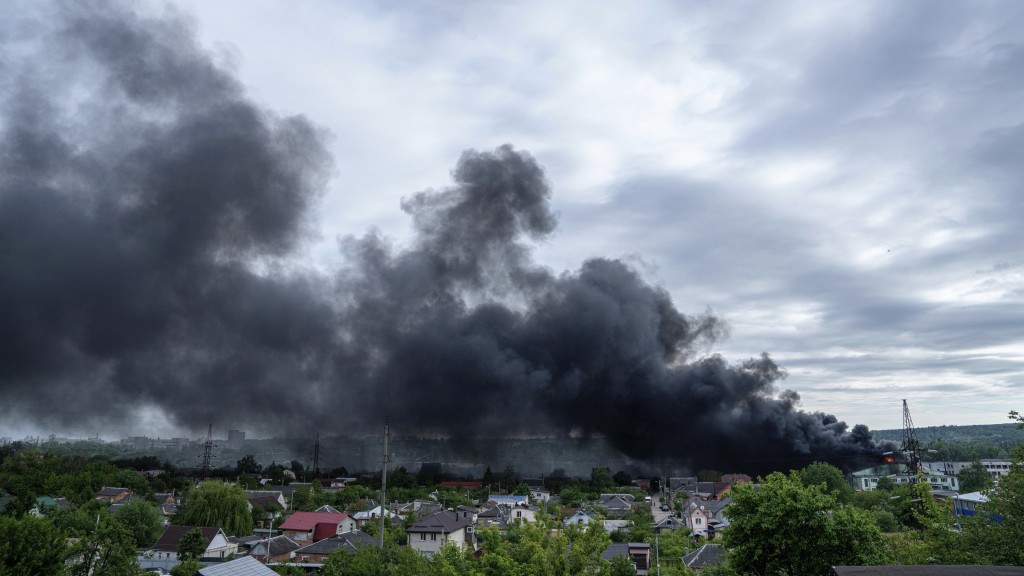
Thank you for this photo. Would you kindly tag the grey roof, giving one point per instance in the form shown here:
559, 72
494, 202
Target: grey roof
706, 555
442, 521
622, 549
278, 545
244, 566
347, 540
670, 522
328, 508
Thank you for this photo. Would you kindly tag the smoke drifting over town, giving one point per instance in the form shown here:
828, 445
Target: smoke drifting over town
150, 213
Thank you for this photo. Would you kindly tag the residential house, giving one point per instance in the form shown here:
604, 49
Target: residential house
736, 479
580, 518
616, 504
540, 494
267, 500
217, 543
280, 549
496, 516
113, 495
429, 534
317, 552
707, 555
306, 527
509, 500
638, 552
706, 517
523, 514
615, 525
467, 513
669, 524
245, 566
44, 502
165, 498
371, 515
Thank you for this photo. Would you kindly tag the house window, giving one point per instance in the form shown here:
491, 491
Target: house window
305, 559
519, 514
433, 536
697, 521
423, 535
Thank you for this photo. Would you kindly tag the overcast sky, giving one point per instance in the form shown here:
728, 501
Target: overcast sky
841, 181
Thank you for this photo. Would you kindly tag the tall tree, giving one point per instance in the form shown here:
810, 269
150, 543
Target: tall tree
783, 527
107, 551
248, 465
830, 477
218, 505
30, 546
192, 545
508, 478
974, 478
142, 520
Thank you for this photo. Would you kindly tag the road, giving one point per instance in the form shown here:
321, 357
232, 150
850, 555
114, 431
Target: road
656, 508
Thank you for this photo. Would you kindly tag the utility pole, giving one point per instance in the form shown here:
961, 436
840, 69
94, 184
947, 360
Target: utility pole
384, 482
207, 451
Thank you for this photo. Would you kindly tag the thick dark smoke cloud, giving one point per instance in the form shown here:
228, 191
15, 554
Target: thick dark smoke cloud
149, 212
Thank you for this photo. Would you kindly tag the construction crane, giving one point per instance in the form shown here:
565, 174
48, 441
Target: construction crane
910, 447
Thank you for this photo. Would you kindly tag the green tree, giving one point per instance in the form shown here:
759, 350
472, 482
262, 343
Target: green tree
974, 478
364, 561
108, 551
999, 530
30, 547
641, 525
620, 565
192, 545
218, 505
187, 568
622, 478
248, 465
142, 520
601, 480
508, 477
830, 477
289, 570
709, 475
885, 484
783, 527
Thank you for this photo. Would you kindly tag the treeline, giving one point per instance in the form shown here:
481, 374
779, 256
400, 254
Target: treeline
961, 443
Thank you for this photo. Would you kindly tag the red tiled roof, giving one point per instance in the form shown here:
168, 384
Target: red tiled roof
306, 521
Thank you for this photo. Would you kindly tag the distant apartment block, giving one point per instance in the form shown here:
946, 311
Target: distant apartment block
236, 438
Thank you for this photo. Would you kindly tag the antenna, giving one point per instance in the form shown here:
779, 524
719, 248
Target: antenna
208, 447
384, 482
910, 445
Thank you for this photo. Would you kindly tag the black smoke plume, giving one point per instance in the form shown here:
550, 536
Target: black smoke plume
149, 218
